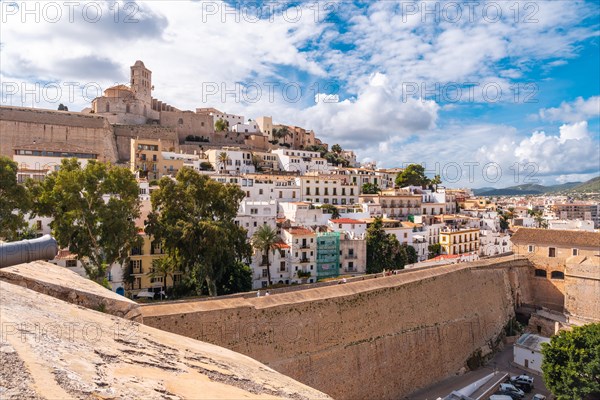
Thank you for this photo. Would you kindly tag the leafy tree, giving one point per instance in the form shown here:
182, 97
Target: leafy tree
571, 363
411, 254
221, 125
206, 166
370, 188
437, 180
413, 175
62, 107
330, 209
257, 161
434, 250
337, 149
383, 249
93, 211
193, 218
14, 200
263, 240
236, 278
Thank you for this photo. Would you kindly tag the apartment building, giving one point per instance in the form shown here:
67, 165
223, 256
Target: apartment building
303, 248
36, 160
280, 267
587, 211
301, 161
459, 241
231, 160
147, 160
395, 203
327, 189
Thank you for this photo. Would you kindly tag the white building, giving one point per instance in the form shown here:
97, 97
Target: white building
231, 119
249, 127
36, 160
231, 160
328, 189
528, 351
493, 243
301, 161
572, 225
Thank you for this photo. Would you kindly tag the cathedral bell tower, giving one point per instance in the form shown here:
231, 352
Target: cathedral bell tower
141, 82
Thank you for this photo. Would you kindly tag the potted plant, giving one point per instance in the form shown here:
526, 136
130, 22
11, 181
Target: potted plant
303, 275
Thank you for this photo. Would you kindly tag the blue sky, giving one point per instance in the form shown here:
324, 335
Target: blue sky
385, 73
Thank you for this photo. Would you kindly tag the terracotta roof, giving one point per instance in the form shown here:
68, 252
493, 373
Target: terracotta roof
557, 237
300, 231
281, 245
347, 221
445, 257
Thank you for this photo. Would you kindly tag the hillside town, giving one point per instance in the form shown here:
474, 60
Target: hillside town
317, 199
168, 207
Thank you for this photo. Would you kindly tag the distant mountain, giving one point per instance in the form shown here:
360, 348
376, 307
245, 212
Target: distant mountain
593, 185
478, 191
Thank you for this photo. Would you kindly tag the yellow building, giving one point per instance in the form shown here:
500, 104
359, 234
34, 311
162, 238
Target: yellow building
477, 203
459, 241
141, 258
148, 160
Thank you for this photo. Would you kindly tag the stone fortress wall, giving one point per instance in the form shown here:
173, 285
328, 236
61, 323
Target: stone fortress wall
378, 338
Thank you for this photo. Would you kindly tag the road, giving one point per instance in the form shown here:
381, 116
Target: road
501, 362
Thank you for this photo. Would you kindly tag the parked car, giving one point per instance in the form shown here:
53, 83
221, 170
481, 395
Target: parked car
500, 397
509, 394
523, 382
150, 294
507, 387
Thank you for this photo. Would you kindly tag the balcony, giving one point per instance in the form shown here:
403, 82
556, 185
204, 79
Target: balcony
353, 269
351, 256
304, 260
137, 270
304, 246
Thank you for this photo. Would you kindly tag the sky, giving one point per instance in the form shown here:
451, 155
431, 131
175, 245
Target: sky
486, 93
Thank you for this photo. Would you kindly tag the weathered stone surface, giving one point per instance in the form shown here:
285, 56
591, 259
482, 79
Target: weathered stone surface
56, 350
379, 338
67, 285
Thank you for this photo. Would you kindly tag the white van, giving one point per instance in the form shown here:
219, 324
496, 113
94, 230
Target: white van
500, 397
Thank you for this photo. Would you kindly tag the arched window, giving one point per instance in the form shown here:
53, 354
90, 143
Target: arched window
557, 275
541, 272
180, 121
107, 107
127, 108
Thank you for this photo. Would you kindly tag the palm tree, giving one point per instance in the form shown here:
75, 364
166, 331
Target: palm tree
162, 267
222, 159
264, 239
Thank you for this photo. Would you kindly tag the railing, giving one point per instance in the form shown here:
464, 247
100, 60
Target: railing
304, 260
351, 256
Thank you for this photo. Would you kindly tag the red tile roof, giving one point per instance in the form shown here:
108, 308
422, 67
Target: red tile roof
555, 237
300, 231
347, 221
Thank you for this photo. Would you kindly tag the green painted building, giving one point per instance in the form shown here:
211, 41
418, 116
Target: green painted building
328, 254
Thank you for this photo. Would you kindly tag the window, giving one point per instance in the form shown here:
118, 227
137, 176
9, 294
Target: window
530, 248
575, 252
541, 273
282, 266
264, 273
551, 252
557, 275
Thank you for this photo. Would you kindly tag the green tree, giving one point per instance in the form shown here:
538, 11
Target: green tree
257, 161
281, 133
193, 218
434, 250
162, 268
383, 249
437, 180
62, 107
263, 240
413, 175
337, 149
222, 159
206, 166
221, 125
14, 201
571, 363
330, 209
93, 211
370, 188
411, 254
236, 278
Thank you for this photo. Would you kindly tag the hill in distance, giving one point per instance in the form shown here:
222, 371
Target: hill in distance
593, 185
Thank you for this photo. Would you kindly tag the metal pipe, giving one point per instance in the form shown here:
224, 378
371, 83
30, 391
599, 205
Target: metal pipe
24, 251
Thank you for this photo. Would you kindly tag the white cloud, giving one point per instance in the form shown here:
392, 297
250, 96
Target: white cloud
577, 110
